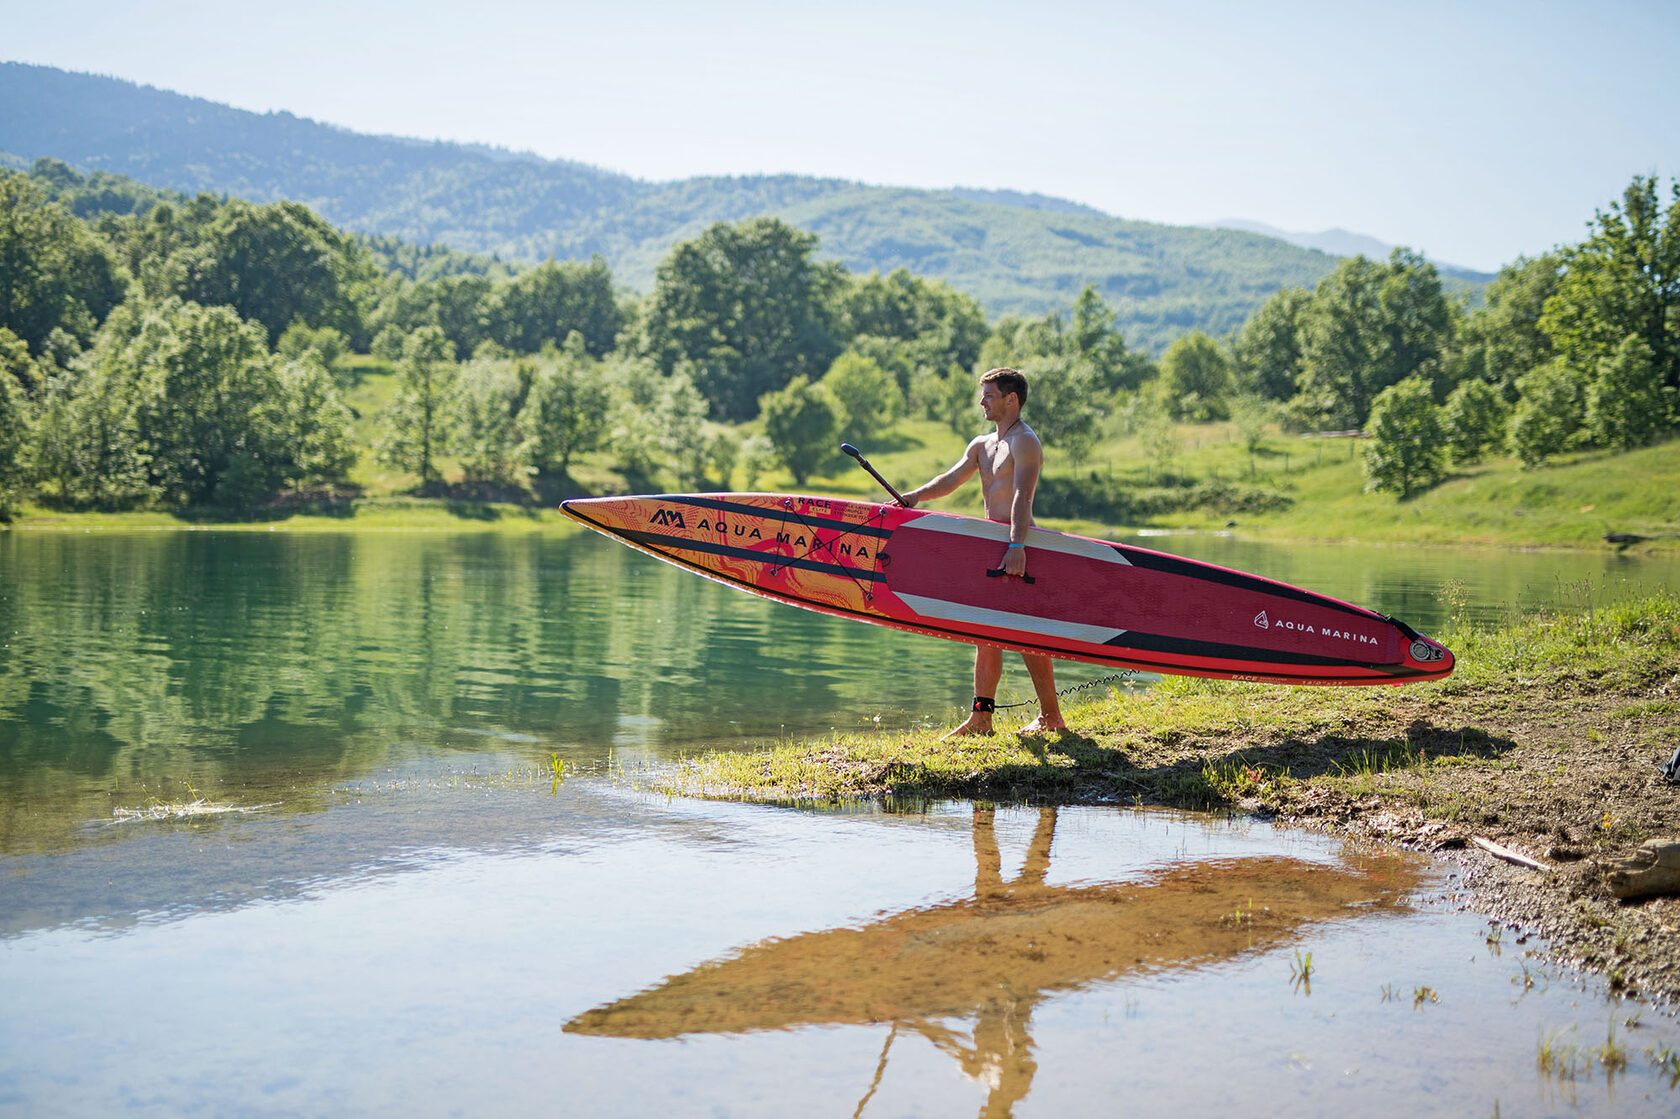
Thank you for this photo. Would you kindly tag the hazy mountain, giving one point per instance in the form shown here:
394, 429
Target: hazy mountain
1341, 242
1015, 252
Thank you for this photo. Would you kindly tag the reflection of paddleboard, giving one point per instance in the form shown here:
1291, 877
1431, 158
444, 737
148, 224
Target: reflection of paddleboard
1086, 600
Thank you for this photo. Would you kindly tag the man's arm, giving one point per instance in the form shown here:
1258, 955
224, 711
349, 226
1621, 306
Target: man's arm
945, 483
1029, 460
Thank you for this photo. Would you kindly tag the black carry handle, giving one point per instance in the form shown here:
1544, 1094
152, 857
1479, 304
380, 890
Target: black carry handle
995, 572
873, 473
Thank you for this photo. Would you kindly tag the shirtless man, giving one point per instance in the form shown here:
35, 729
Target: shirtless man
1008, 461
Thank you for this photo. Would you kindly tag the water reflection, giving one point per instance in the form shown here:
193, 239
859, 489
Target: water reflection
989, 959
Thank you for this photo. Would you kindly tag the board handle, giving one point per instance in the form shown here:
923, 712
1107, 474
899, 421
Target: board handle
996, 572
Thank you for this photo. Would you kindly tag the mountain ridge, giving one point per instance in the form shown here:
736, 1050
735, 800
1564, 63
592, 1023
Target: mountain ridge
1016, 252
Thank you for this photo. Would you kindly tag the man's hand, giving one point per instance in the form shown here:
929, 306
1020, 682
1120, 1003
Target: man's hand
1015, 560
908, 500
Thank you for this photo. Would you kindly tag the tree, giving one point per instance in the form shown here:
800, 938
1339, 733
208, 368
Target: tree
1406, 452
681, 420
566, 410
278, 264
1252, 413
13, 437
205, 401
801, 422
1502, 340
1268, 347
1195, 378
489, 396
551, 301
747, 307
54, 274
1625, 402
1623, 279
868, 398
938, 325
1097, 341
1548, 414
1473, 420
318, 442
417, 420
1061, 405
1370, 325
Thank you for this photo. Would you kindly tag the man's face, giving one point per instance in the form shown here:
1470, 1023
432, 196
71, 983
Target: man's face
992, 401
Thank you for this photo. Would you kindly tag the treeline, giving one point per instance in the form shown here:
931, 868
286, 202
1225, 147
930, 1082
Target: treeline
1578, 347
177, 351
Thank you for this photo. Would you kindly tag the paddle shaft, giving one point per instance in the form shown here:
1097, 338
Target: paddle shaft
873, 473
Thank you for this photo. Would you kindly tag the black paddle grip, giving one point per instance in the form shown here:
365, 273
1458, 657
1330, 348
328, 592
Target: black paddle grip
994, 572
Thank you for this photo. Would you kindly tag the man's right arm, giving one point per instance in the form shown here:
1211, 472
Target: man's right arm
965, 468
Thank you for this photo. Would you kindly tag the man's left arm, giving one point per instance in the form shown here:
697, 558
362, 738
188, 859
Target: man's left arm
1029, 460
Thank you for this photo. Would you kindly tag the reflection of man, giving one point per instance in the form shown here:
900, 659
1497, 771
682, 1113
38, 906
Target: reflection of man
1008, 461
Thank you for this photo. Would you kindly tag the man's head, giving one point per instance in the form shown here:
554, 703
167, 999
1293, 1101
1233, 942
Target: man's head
1005, 381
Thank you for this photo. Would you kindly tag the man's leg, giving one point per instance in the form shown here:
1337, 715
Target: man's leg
1043, 674
988, 671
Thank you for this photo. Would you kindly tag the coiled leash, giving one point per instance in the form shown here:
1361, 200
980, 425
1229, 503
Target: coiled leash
982, 703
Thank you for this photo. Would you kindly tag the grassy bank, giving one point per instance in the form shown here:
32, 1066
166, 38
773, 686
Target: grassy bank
1546, 740
1292, 488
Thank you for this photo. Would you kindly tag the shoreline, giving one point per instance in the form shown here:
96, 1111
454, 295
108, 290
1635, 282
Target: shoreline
1546, 743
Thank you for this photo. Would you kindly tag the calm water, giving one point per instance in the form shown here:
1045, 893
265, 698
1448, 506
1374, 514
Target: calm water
412, 916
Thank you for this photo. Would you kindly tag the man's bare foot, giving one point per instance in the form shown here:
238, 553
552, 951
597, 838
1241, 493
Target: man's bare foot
1041, 725
974, 724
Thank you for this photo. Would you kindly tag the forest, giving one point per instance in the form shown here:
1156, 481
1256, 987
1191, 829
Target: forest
175, 352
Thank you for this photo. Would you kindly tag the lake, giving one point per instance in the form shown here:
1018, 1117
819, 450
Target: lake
282, 833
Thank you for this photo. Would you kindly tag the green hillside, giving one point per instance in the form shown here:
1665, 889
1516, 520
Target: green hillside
1014, 252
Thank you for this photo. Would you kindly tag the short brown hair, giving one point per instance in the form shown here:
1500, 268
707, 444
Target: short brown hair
1008, 381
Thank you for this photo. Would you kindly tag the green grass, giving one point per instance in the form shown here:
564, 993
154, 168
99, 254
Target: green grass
1155, 745
1292, 489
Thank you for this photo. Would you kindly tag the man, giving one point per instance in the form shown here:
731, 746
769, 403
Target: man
1008, 461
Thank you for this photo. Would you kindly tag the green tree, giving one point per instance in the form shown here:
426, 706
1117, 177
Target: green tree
1195, 378
549, 302
1268, 347
207, 404
747, 307
566, 411
1502, 340
802, 423
1473, 420
328, 343
867, 397
317, 425
681, 422
1253, 414
1370, 325
489, 396
1406, 452
938, 325
1625, 402
14, 432
418, 419
54, 274
278, 264
1096, 341
1623, 279
1062, 405
1550, 409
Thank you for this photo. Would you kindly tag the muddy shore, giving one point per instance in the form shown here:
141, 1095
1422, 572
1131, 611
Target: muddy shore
1547, 742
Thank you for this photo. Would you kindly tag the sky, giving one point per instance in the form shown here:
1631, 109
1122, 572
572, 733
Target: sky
1472, 131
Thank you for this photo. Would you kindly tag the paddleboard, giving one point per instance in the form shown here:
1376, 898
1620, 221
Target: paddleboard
1083, 599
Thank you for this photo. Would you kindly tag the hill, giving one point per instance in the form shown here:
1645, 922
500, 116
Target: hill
1341, 242
1017, 253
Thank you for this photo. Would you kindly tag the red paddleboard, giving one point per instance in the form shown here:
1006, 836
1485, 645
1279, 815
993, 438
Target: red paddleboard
1085, 600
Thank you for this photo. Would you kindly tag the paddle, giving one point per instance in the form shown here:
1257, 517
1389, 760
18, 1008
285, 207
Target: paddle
873, 473
876, 474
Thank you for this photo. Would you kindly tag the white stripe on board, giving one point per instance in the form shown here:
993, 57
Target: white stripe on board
1036, 538
1005, 619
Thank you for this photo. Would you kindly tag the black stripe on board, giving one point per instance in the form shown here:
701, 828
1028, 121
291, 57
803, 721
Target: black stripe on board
1188, 647
1190, 569
742, 509
657, 540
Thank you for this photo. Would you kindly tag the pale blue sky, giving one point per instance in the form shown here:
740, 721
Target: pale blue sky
1472, 131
